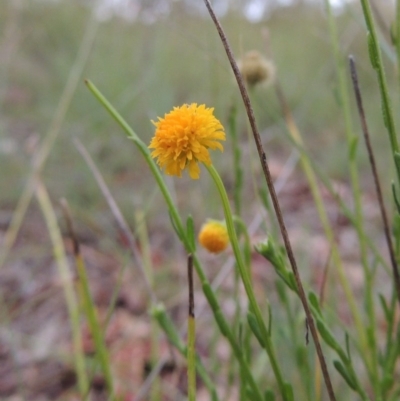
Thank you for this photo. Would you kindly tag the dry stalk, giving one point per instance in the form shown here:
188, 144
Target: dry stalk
371, 157
268, 178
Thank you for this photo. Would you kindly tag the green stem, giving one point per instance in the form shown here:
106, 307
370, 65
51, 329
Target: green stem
95, 327
191, 358
372, 362
146, 154
323, 216
247, 243
343, 207
228, 333
159, 314
244, 273
397, 38
218, 315
70, 297
377, 64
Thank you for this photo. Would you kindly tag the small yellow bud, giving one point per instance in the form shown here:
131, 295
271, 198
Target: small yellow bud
255, 69
214, 236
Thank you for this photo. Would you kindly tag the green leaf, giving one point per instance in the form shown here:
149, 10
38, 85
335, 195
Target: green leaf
222, 324
396, 201
292, 281
370, 336
281, 290
393, 31
387, 312
289, 395
269, 395
209, 294
219, 317
175, 226
269, 328
301, 355
250, 393
191, 233
397, 160
353, 148
327, 335
387, 383
272, 252
348, 346
385, 116
214, 396
345, 374
264, 196
372, 52
314, 302
159, 313
255, 329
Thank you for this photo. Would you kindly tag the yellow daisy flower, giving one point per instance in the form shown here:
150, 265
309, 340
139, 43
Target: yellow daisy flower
214, 236
183, 139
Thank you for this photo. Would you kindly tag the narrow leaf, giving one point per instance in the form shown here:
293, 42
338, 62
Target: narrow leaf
345, 374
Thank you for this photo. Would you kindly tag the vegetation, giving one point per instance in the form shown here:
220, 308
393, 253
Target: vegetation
74, 86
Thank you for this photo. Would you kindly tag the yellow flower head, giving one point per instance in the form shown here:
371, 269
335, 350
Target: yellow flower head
214, 236
183, 138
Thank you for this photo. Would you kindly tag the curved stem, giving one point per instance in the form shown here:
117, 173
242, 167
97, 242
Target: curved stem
212, 300
244, 273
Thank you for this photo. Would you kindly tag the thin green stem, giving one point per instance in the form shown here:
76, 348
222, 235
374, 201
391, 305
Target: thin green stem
218, 315
94, 324
146, 154
143, 237
397, 39
228, 333
343, 207
69, 293
377, 64
191, 358
89, 307
160, 315
359, 220
323, 216
244, 273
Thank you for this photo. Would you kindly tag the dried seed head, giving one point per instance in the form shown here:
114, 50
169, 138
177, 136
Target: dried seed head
255, 69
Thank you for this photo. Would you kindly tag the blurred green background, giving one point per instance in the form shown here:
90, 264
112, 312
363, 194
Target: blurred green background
147, 65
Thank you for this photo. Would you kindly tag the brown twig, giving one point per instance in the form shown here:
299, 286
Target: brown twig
268, 178
371, 157
190, 286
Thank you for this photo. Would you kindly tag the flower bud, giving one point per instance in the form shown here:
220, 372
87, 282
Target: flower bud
214, 236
